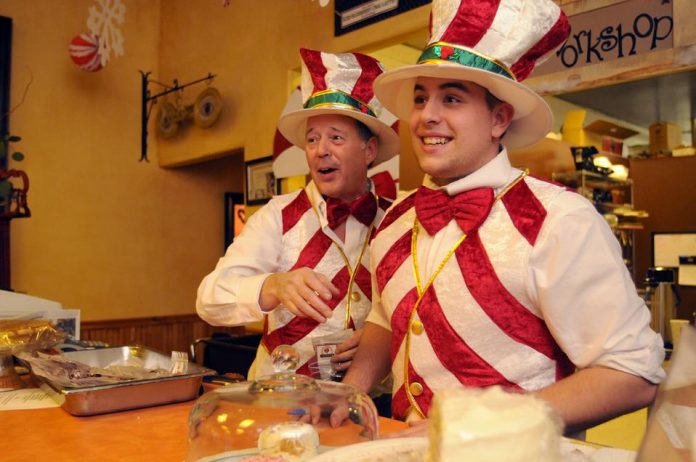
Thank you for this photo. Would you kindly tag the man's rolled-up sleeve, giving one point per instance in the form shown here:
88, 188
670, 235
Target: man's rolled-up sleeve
586, 295
229, 295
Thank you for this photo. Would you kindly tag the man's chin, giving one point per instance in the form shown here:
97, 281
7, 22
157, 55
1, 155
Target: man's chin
431, 167
326, 190
437, 174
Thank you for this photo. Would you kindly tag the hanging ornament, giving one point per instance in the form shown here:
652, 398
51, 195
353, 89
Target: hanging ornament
84, 51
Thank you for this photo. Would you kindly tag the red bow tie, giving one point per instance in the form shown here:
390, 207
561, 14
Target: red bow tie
434, 208
364, 209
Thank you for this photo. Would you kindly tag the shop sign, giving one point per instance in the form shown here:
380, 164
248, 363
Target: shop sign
625, 29
354, 14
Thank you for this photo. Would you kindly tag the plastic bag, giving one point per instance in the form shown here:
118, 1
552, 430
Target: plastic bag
325, 349
28, 335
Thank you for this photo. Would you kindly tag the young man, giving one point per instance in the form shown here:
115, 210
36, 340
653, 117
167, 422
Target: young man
485, 276
301, 262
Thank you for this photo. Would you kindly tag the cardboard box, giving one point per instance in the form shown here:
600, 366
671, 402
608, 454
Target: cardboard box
683, 151
664, 136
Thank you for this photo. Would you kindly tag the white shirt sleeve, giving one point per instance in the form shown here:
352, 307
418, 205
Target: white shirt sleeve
586, 294
230, 294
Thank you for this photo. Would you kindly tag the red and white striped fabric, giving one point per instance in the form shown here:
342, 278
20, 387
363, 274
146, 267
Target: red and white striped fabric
288, 159
306, 245
479, 326
84, 51
349, 73
518, 33
495, 44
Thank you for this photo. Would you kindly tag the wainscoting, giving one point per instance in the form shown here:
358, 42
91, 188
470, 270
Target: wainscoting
162, 333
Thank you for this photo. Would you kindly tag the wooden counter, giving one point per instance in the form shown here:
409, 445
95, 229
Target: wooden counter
147, 435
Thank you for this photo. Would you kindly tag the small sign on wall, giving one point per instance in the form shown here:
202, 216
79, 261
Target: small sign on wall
629, 28
354, 14
261, 183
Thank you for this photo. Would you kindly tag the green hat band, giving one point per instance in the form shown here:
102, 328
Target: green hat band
441, 51
333, 98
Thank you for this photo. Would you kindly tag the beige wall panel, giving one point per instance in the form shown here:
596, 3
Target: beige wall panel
680, 58
572, 7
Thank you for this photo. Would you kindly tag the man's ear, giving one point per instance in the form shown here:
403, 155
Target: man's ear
502, 118
371, 148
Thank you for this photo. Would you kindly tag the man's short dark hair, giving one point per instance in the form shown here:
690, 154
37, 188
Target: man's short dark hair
364, 131
491, 100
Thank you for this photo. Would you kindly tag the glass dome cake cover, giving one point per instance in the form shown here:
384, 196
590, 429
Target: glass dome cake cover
281, 417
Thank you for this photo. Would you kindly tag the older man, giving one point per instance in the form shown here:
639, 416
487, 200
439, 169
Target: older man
301, 262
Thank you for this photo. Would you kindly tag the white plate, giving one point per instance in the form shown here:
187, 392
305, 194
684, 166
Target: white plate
235, 456
387, 449
573, 451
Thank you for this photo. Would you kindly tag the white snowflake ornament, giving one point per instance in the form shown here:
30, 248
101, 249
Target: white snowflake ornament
103, 22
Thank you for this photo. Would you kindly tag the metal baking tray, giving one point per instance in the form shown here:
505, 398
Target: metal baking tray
132, 394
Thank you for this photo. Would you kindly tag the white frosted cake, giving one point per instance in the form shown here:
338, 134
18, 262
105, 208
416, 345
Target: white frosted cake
482, 425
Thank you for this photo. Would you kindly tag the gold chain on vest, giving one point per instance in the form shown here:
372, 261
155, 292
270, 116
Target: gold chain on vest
423, 290
352, 270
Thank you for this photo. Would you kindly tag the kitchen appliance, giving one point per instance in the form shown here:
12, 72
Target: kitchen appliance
662, 297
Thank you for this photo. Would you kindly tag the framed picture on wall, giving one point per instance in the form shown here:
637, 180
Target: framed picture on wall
261, 183
235, 216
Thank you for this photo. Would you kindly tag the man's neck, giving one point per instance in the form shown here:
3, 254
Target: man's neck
350, 197
445, 181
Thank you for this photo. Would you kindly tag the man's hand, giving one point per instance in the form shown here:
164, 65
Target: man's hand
345, 352
302, 291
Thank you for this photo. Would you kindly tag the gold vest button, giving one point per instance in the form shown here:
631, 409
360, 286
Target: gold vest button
416, 389
355, 296
416, 327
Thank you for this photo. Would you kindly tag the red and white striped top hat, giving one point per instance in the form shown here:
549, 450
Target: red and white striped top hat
340, 84
493, 43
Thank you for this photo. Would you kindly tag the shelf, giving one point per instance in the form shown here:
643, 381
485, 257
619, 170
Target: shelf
612, 198
588, 179
629, 226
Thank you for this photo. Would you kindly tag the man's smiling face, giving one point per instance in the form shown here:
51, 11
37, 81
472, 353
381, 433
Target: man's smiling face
453, 129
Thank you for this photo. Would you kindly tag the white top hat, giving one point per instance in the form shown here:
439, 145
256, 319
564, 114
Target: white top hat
340, 84
495, 44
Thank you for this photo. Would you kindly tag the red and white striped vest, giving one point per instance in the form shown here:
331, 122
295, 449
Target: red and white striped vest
306, 245
476, 325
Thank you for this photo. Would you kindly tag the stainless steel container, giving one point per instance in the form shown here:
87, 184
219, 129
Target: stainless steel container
131, 394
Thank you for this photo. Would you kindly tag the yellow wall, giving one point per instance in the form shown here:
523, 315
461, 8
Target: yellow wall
109, 235
252, 46
119, 238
